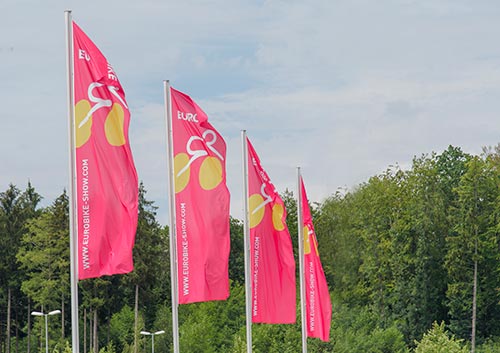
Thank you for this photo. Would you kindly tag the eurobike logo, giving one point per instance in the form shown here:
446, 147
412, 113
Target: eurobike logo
99, 98
257, 205
210, 174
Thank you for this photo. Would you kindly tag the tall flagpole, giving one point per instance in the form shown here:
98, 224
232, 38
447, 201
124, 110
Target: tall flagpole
300, 228
73, 231
246, 241
173, 225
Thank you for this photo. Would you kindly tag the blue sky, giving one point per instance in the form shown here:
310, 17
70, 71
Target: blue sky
341, 88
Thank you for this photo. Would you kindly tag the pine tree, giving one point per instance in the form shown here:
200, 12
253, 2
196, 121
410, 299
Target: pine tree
44, 256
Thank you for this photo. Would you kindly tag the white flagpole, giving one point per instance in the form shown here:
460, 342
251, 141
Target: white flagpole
73, 231
300, 228
173, 226
246, 241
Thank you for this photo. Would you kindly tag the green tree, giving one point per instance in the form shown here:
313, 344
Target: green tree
338, 228
150, 279
418, 296
16, 209
44, 255
438, 340
122, 328
97, 296
378, 214
472, 256
236, 255
356, 330
163, 343
386, 242
211, 326
290, 201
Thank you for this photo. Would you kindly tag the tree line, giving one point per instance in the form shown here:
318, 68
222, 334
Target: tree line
411, 258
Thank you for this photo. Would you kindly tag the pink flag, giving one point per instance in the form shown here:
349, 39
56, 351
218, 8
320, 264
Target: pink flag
202, 204
318, 305
107, 188
271, 253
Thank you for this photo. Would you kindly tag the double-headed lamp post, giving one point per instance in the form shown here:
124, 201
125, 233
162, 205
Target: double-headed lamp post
152, 334
38, 313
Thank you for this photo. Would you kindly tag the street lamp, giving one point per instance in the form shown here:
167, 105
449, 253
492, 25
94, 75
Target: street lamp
38, 313
152, 334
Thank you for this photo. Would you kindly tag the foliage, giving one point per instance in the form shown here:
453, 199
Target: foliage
16, 210
163, 343
398, 251
437, 340
44, 255
236, 255
108, 349
489, 346
66, 349
121, 328
356, 330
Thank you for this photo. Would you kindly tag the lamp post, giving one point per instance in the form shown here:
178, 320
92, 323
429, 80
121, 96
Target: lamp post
152, 334
38, 313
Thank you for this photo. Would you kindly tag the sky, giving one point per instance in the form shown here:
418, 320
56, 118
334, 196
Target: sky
342, 88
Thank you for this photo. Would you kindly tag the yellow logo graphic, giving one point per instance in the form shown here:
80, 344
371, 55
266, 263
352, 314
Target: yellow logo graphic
256, 212
308, 236
210, 173
114, 123
257, 203
211, 169
278, 212
113, 126
181, 179
83, 127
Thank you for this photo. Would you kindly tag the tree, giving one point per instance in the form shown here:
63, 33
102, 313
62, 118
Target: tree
473, 253
419, 232
16, 209
338, 231
379, 212
236, 255
438, 340
150, 278
44, 255
122, 328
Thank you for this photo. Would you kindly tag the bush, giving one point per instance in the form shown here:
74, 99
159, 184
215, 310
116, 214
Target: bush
490, 346
356, 330
437, 340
